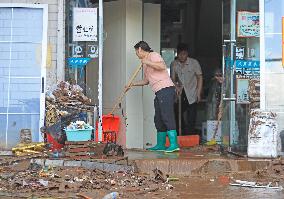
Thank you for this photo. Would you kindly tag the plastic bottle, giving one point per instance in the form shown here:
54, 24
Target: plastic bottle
112, 195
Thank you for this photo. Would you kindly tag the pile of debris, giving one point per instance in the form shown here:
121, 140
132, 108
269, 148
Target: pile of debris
68, 94
276, 172
66, 99
46, 181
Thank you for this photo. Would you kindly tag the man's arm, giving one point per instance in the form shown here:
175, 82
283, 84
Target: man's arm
199, 87
173, 72
175, 79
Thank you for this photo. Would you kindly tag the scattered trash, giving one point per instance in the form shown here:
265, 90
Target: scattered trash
158, 175
169, 186
149, 190
112, 182
6, 176
112, 195
57, 154
83, 196
43, 182
199, 155
24, 183
78, 125
171, 179
225, 180
6, 153
248, 184
112, 149
63, 180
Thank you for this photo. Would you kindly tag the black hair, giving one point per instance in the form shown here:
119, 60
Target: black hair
144, 46
182, 47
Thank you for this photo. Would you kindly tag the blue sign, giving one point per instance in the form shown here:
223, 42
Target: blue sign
78, 62
248, 67
247, 64
245, 67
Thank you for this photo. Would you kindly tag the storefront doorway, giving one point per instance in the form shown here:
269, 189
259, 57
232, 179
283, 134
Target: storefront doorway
241, 70
223, 36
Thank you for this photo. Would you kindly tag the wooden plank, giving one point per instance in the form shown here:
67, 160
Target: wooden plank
79, 142
68, 154
80, 149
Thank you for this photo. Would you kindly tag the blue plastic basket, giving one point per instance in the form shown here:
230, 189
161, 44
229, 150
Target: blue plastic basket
78, 135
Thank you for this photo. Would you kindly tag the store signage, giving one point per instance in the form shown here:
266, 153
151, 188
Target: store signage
93, 51
248, 68
248, 24
75, 62
247, 64
85, 24
78, 51
240, 52
242, 91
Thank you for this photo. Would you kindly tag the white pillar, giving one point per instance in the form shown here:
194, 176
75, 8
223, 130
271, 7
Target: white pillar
123, 26
134, 99
151, 34
60, 72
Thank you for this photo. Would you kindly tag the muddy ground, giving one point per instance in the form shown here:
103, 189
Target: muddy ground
26, 180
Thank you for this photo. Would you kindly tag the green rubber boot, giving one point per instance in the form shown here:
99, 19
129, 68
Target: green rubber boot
161, 141
173, 142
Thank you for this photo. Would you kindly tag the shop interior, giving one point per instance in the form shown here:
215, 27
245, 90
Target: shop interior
193, 22
203, 25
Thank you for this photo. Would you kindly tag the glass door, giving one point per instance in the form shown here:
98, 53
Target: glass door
240, 70
22, 71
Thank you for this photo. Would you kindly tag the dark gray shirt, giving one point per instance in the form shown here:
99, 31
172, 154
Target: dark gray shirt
187, 73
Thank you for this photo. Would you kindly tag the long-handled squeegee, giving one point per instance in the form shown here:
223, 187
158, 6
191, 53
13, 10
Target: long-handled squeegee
118, 101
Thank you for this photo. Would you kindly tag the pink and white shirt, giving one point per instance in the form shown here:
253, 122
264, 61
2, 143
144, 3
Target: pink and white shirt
158, 79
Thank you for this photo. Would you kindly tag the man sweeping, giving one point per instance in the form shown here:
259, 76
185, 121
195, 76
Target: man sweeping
156, 75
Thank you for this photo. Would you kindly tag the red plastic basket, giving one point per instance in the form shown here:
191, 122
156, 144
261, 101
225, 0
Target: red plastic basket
110, 125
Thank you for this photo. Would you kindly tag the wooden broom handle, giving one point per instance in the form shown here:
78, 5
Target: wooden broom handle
125, 89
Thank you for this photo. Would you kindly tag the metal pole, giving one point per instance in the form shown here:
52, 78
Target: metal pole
232, 69
100, 87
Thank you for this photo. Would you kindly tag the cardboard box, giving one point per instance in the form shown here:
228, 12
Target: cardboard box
208, 130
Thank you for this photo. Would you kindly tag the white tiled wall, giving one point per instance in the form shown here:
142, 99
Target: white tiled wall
51, 72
